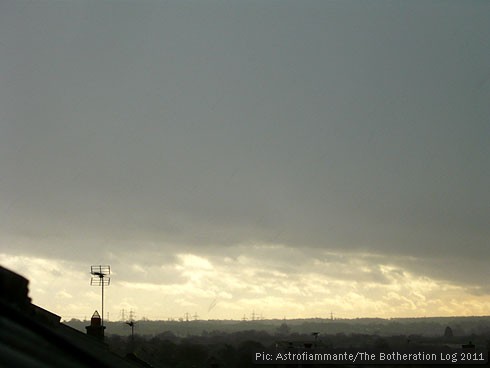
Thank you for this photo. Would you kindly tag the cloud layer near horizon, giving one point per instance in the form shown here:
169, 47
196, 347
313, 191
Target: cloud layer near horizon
327, 145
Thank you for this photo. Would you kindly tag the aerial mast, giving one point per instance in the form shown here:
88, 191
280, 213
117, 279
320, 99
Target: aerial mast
100, 277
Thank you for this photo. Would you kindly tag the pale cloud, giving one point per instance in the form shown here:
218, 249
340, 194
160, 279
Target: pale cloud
63, 294
314, 290
139, 269
195, 263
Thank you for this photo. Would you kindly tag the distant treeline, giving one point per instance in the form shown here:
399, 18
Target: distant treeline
434, 326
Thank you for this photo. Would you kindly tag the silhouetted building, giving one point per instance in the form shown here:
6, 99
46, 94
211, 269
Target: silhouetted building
468, 346
448, 332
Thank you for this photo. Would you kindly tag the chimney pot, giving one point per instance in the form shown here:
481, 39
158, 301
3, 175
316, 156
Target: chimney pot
96, 329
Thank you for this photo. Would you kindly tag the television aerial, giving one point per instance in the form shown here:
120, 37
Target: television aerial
100, 277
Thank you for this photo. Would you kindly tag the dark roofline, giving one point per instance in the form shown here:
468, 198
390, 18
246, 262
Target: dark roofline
34, 335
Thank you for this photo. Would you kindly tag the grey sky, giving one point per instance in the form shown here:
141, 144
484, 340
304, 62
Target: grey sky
147, 130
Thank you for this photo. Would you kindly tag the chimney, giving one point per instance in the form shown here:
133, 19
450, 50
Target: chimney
96, 329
